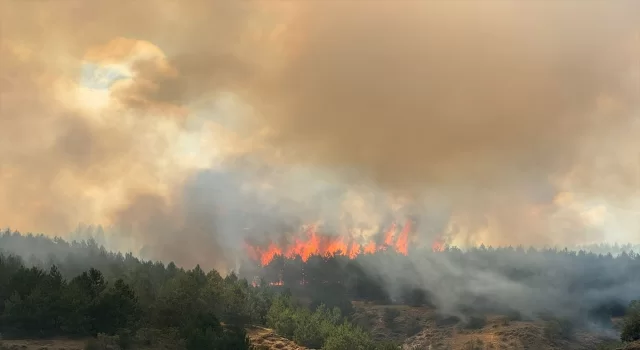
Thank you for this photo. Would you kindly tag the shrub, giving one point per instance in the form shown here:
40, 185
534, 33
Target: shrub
167, 338
387, 346
308, 332
91, 344
415, 297
413, 327
103, 342
389, 316
631, 325
559, 329
347, 336
281, 317
475, 344
610, 345
124, 339
444, 321
513, 315
476, 322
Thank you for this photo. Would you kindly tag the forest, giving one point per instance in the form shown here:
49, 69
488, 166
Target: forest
82, 290
50, 288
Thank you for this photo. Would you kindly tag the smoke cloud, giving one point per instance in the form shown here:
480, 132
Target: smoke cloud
174, 122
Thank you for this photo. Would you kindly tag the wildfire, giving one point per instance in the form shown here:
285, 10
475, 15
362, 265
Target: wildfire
402, 244
438, 246
310, 243
388, 237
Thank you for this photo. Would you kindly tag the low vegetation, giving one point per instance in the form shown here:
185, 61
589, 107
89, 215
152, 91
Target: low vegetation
559, 329
631, 326
322, 328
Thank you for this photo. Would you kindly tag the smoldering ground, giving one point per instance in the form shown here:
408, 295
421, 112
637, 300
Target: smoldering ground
501, 122
580, 287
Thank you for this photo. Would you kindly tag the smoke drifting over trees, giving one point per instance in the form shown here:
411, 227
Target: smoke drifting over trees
306, 301
502, 122
187, 131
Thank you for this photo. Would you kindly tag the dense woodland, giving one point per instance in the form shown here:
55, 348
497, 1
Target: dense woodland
50, 287
82, 290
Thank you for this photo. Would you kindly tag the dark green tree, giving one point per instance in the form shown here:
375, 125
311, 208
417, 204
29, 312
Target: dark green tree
117, 308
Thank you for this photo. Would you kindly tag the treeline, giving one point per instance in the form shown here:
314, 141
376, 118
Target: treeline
578, 268
590, 287
150, 305
184, 310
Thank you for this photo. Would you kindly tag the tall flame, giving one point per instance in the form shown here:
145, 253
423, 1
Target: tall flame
309, 243
388, 237
402, 244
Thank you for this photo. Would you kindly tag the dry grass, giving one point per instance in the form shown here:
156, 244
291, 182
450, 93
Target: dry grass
267, 339
632, 346
49, 344
261, 338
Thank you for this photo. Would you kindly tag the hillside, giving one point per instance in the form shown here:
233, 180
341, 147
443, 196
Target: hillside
632, 346
149, 305
413, 327
423, 328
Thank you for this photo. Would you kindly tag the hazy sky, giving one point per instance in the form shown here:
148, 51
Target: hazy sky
503, 122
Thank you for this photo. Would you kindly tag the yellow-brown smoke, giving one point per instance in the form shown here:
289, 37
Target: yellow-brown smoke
491, 109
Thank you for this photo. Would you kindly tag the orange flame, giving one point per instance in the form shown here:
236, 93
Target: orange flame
311, 243
271, 252
354, 250
438, 246
402, 244
370, 248
388, 237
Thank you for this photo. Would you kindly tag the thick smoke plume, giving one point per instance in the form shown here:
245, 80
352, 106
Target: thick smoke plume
172, 122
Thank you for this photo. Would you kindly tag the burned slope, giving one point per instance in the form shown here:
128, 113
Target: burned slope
425, 328
584, 287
